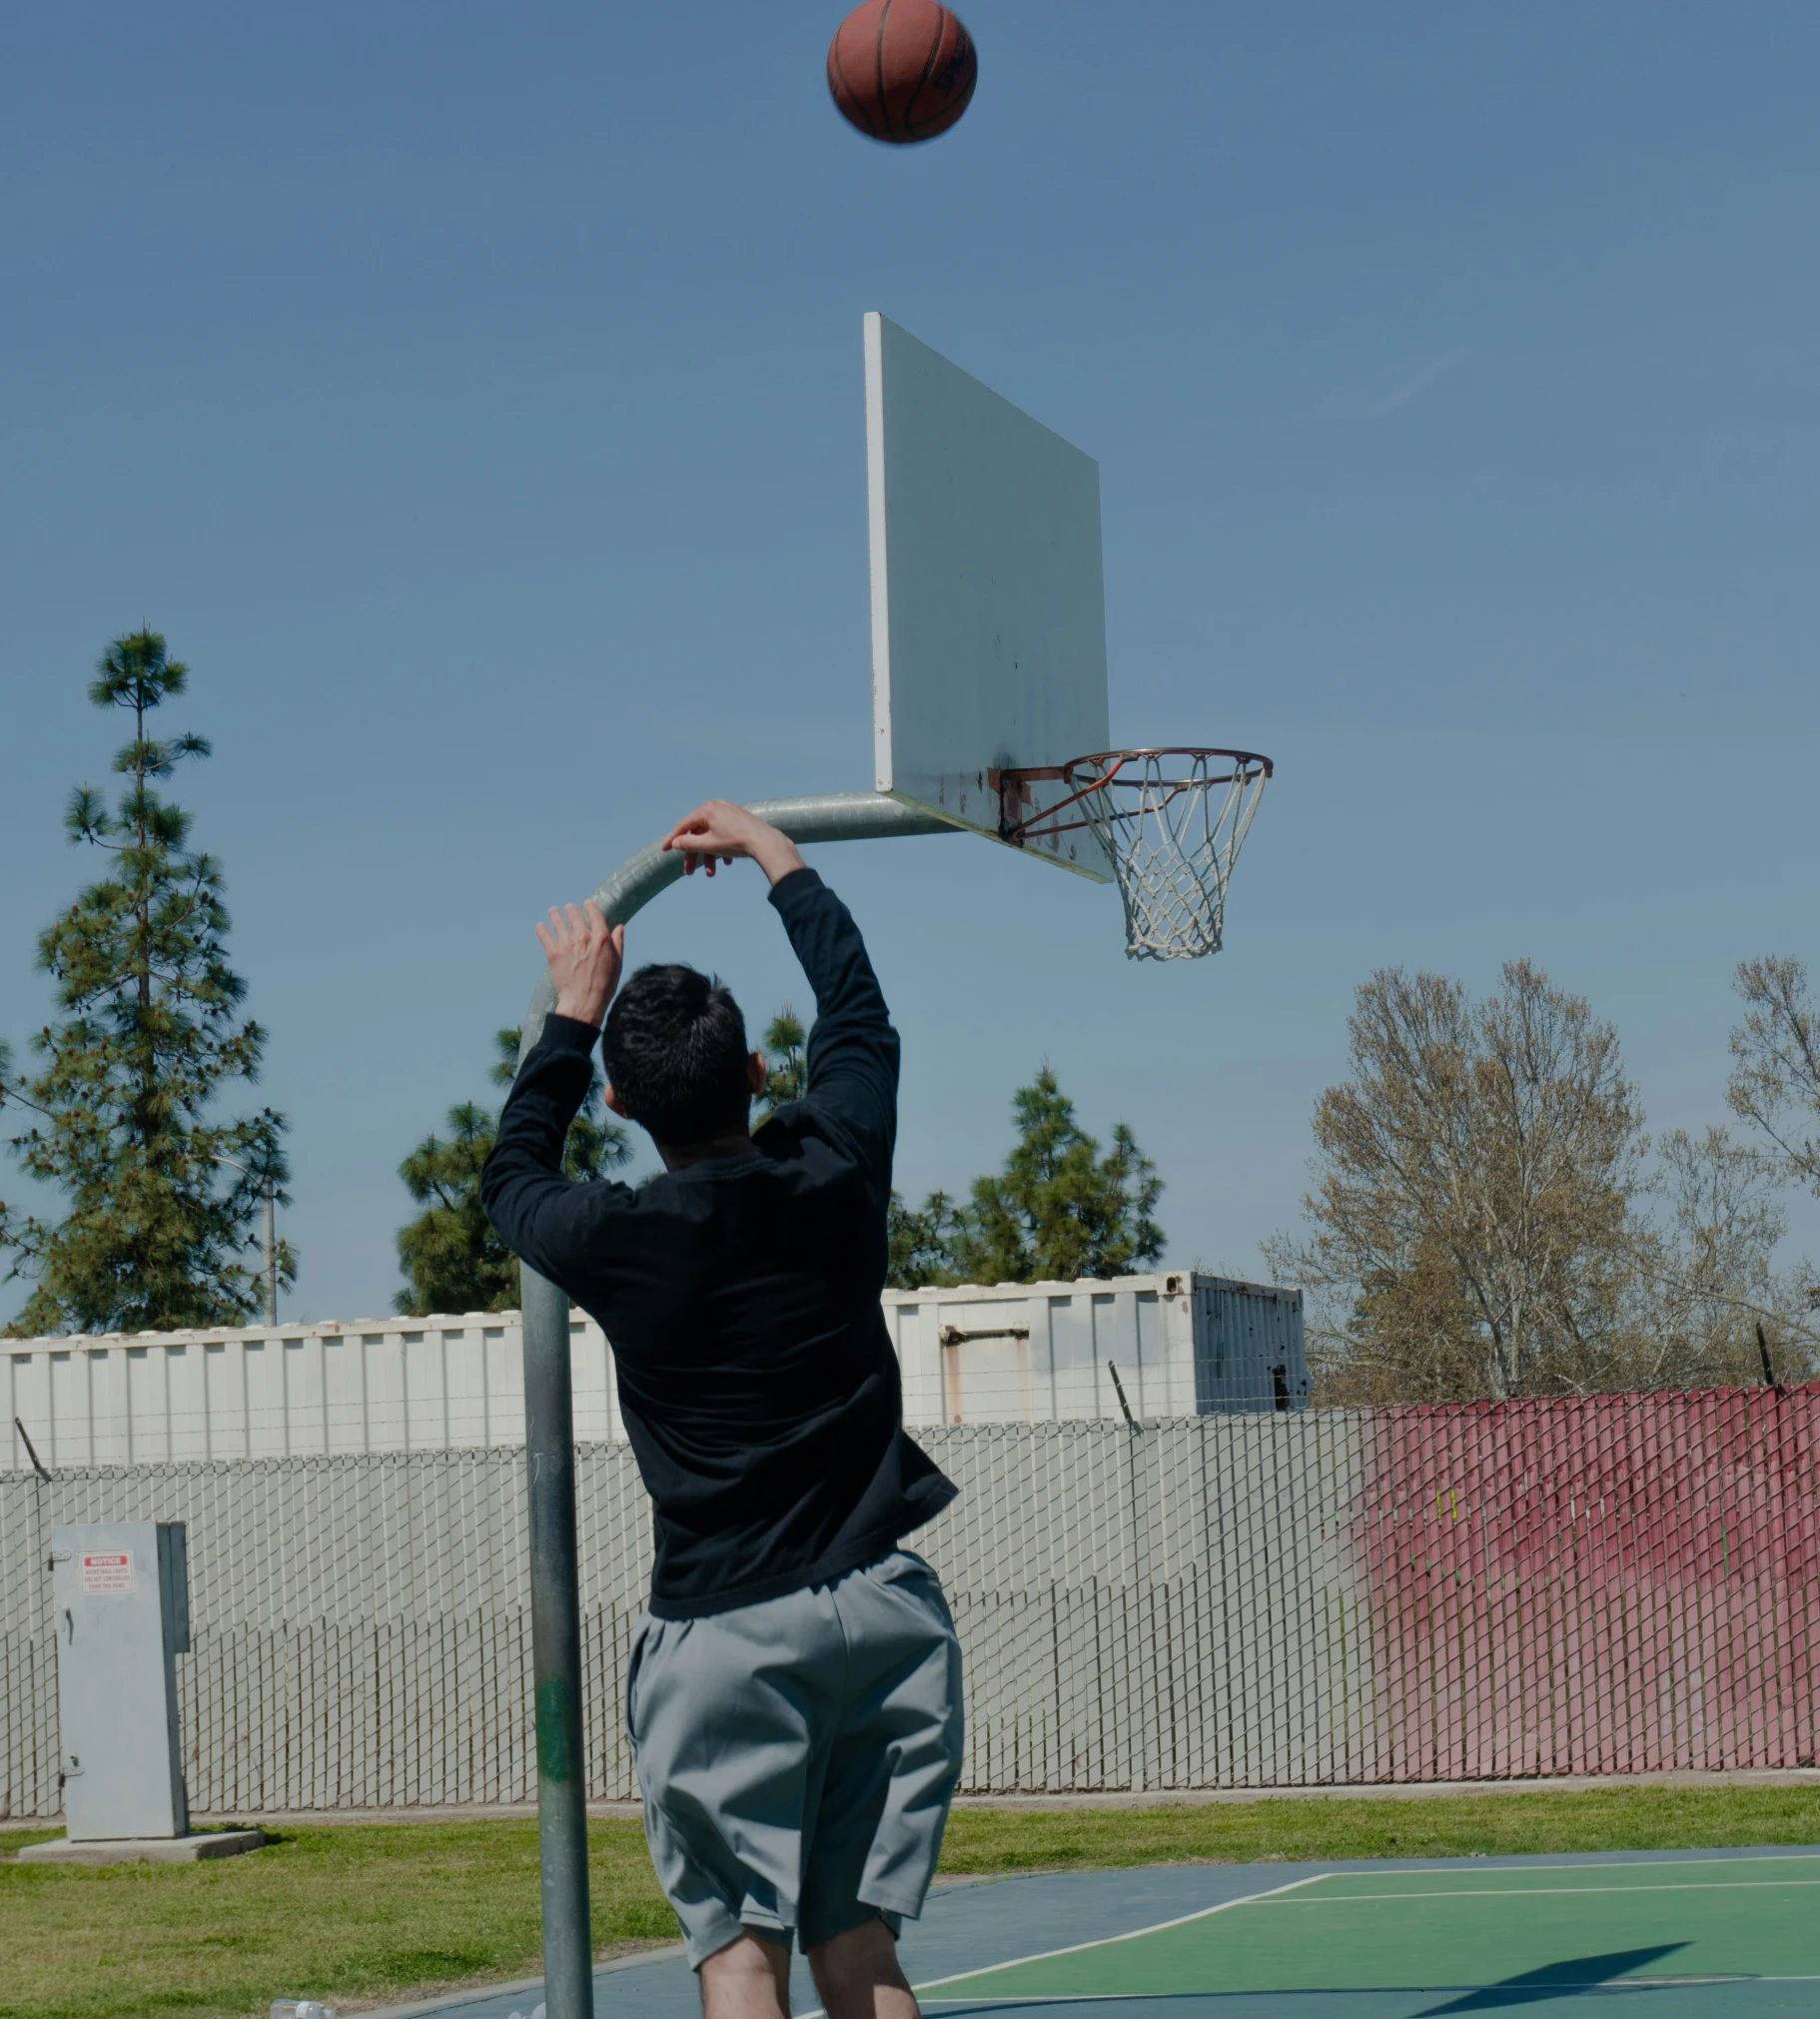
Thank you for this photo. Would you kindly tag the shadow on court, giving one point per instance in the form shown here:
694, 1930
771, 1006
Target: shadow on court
1559, 1980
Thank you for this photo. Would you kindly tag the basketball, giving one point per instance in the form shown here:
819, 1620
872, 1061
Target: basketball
901, 70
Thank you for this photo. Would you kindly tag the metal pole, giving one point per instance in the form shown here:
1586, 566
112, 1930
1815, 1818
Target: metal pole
555, 1651
268, 1189
549, 1447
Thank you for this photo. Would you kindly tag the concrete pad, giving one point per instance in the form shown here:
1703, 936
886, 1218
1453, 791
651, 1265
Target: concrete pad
152, 1850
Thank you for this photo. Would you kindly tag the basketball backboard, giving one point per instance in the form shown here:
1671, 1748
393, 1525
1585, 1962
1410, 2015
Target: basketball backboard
988, 598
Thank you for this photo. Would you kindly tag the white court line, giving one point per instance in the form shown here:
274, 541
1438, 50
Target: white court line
1569, 1892
1109, 1942
1738, 1857
1425, 1990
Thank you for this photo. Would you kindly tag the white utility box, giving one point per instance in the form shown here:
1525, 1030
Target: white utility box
122, 1593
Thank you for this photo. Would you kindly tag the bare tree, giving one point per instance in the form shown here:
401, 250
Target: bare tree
1713, 1310
1775, 1085
1775, 1080
1472, 1230
1483, 1225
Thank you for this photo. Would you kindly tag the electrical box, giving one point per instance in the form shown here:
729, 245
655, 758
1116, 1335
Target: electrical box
122, 1593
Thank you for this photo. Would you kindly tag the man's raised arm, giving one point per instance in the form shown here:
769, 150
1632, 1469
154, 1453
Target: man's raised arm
718, 831
853, 1051
522, 1189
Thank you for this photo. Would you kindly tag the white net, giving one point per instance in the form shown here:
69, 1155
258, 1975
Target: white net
1173, 823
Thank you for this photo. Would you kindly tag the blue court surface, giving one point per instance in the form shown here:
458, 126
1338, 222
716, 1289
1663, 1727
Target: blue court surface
1669, 1934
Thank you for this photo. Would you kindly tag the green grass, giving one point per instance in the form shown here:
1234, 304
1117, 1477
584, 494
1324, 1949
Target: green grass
347, 1912
1448, 1827
358, 1913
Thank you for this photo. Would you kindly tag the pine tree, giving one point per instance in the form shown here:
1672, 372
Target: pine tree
450, 1256
787, 1071
920, 1242
1058, 1210
147, 1039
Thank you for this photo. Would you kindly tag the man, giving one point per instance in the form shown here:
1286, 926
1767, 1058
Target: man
793, 1696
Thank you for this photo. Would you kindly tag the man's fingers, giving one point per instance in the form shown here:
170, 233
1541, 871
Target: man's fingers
574, 923
690, 823
718, 828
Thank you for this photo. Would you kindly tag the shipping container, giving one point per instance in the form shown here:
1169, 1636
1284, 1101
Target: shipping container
1179, 1345
289, 1390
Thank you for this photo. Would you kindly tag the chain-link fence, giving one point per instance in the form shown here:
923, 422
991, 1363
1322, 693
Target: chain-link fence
1619, 1583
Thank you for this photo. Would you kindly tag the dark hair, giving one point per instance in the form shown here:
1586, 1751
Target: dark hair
675, 1052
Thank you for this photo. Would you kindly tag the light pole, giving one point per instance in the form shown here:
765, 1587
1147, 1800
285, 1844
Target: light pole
268, 1192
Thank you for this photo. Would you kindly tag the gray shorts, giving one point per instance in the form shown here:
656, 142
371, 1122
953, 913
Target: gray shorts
797, 1756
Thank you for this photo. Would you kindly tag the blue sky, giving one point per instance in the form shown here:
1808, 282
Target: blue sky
473, 396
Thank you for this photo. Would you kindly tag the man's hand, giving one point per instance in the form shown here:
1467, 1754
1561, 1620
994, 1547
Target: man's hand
584, 955
719, 832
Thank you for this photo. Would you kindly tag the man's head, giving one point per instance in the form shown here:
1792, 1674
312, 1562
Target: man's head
675, 1053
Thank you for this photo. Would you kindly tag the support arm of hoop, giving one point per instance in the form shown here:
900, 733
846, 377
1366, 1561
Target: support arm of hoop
824, 817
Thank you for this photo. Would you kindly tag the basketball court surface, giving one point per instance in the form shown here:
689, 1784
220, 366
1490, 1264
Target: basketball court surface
1668, 1935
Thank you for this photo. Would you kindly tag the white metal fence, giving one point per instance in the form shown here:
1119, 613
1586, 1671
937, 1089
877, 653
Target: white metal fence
1175, 1607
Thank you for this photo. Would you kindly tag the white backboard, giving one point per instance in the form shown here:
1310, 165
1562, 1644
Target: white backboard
988, 600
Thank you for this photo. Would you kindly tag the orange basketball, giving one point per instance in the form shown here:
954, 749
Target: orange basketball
901, 70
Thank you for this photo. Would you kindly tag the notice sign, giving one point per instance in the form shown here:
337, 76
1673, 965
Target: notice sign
109, 1572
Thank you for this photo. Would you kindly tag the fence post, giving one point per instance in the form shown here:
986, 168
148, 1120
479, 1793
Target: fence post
556, 1650
1143, 1674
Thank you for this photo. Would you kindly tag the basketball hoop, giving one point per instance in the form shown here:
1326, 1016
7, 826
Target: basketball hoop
1171, 822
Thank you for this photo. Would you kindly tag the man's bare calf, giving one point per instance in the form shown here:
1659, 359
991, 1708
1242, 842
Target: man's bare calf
856, 1976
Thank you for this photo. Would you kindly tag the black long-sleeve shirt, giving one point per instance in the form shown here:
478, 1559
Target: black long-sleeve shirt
741, 1297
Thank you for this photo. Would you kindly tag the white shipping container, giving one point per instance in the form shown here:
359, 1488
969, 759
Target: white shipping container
1179, 1344
254, 1392
1183, 1345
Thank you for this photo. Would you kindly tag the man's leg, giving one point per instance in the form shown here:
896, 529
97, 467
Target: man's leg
725, 1714
858, 1977
877, 1828
749, 1979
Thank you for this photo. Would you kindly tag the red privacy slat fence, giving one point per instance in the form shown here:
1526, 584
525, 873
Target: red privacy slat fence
1601, 1585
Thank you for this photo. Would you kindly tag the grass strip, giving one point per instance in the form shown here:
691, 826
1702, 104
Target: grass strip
349, 1913
377, 1913
1444, 1826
